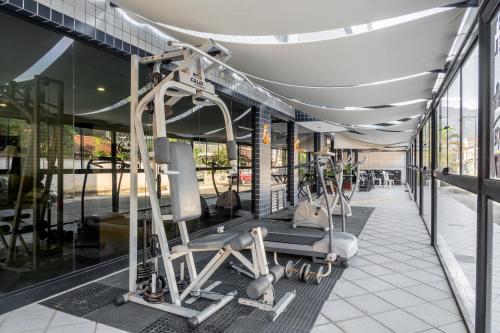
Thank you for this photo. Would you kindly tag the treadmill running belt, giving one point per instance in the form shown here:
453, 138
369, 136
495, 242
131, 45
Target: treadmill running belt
292, 239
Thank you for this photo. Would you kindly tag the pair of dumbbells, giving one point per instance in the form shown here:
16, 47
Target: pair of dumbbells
304, 273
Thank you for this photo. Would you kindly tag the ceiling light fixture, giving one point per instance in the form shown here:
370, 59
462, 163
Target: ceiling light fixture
101, 89
3, 105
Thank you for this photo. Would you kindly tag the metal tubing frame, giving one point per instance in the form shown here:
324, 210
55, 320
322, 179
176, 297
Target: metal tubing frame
419, 170
433, 177
484, 223
138, 141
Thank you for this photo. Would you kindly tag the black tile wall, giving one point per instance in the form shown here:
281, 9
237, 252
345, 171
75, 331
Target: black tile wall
292, 160
261, 166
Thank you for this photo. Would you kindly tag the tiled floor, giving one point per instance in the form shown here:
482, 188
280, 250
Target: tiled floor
395, 283
37, 318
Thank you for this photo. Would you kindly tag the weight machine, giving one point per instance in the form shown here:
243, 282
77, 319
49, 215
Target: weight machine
176, 160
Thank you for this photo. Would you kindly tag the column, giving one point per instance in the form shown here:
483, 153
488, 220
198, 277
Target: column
292, 160
319, 143
261, 161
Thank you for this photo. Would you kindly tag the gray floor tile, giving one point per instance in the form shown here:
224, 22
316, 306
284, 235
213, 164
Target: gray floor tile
449, 304
428, 293
370, 304
457, 327
401, 322
400, 298
423, 276
378, 258
362, 325
329, 328
340, 310
399, 280
322, 320
432, 314
348, 289
373, 284
376, 270
353, 273
399, 267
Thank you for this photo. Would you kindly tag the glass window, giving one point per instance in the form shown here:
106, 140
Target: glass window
495, 288
496, 100
426, 174
442, 135
469, 114
453, 127
456, 241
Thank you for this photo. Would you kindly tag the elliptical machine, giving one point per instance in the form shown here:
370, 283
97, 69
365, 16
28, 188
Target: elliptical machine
335, 184
308, 214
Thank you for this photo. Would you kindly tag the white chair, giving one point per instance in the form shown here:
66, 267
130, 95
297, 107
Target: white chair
375, 179
387, 180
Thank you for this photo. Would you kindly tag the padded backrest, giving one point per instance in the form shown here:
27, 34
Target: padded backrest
184, 191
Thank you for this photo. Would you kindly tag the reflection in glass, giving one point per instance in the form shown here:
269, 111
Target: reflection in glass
495, 269
496, 99
426, 174
456, 241
469, 114
453, 126
442, 134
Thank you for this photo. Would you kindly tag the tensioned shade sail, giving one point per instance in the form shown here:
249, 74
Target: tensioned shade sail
276, 17
405, 49
409, 89
365, 117
373, 136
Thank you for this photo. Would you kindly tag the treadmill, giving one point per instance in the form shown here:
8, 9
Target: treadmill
305, 241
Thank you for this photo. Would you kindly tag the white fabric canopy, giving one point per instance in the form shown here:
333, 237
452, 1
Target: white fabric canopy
365, 117
334, 67
377, 137
276, 17
364, 96
413, 47
342, 141
321, 126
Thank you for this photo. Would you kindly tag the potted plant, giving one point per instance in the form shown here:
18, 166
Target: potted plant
347, 183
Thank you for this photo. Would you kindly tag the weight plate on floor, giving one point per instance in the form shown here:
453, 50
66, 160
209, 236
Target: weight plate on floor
289, 269
307, 270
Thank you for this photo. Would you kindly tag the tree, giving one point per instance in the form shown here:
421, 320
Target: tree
217, 159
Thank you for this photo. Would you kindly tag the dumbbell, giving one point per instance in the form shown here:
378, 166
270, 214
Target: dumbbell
304, 272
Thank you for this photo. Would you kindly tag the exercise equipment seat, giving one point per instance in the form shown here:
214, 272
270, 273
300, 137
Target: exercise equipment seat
218, 241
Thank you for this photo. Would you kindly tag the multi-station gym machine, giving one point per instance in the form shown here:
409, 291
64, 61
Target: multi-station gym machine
147, 284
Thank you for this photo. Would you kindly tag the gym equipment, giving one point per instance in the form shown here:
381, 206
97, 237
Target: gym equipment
304, 272
324, 247
308, 214
335, 184
110, 228
228, 200
176, 160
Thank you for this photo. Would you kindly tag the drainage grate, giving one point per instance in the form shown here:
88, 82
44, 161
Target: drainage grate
84, 300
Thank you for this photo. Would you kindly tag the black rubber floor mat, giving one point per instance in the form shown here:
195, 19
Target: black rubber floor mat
84, 300
356, 222
292, 239
93, 301
130, 317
